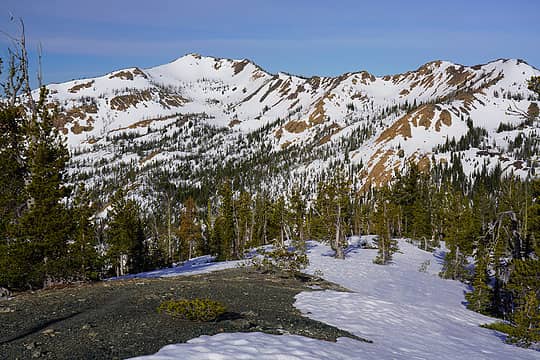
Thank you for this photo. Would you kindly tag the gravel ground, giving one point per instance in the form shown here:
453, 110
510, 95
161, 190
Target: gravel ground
118, 319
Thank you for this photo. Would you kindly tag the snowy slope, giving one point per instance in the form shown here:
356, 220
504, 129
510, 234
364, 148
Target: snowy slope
200, 112
407, 313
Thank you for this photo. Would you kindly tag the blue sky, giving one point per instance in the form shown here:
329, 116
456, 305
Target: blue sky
90, 38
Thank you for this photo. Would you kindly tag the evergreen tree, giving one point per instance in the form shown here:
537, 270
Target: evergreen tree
84, 260
318, 216
458, 235
481, 298
46, 226
13, 172
189, 232
261, 217
244, 222
126, 249
527, 321
298, 213
524, 287
385, 244
13, 169
339, 194
225, 225
534, 84
278, 222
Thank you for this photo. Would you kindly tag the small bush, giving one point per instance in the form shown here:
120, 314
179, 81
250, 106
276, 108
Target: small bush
500, 326
281, 259
193, 310
516, 334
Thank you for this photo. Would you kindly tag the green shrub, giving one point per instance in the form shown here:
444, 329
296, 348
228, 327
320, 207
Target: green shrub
518, 335
193, 310
500, 326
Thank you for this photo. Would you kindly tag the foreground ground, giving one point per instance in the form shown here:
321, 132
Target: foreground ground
405, 308
118, 319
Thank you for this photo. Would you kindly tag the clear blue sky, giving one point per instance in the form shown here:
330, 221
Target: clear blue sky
90, 38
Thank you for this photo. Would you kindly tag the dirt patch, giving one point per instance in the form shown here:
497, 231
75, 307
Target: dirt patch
234, 122
257, 74
144, 123
366, 77
285, 88
359, 96
296, 127
380, 173
334, 129
423, 116
294, 95
444, 118
118, 319
286, 144
424, 164
78, 128
238, 66
404, 92
278, 133
401, 127
315, 82
318, 115
271, 88
458, 75
74, 115
124, 75
139, 72
171, 100
533, 111
124, 102
78, 87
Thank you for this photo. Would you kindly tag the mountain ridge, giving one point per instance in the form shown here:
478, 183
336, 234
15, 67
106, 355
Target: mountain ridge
384, 121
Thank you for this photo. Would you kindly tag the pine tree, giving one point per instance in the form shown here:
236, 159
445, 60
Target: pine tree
126, 249
339, 193
13, 169
225, 225
278, 222
244, 222
298, 213
84, 260
524, 279
189, 231
385, 244
318, 215
481, 298
458, 235
527, 321
261, 216
46, 225
534, 84
13, 172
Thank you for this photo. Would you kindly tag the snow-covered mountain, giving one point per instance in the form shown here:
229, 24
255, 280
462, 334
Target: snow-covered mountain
201, 115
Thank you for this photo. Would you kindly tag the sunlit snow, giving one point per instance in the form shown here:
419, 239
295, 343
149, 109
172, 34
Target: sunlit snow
407, 313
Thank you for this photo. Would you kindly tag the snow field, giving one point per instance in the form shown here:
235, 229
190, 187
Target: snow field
408, 314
